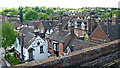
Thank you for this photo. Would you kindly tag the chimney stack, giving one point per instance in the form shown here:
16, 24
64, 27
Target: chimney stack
51, 19
60, 19
88, 24
72, 30
59, 26
22, 44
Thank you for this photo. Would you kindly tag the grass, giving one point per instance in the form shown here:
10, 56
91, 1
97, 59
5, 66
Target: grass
12, 59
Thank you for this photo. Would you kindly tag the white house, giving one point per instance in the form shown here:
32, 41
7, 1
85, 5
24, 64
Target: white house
34, 47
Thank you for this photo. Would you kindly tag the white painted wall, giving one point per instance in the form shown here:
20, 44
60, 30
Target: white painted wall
36, 54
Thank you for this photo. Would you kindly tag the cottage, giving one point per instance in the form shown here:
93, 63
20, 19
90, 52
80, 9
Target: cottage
105, 33
46, 27
83, 26
30, 47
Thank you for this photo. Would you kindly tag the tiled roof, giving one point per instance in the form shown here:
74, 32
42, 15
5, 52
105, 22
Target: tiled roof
59, 36
76, 44
112, 31
25, 30
28, 39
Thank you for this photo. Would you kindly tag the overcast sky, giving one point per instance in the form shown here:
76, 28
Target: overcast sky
60, 3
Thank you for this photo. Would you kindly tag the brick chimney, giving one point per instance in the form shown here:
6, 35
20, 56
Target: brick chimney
60, 19
51, 20
22, 44
59, 26
99, 20
72, 31
88, 23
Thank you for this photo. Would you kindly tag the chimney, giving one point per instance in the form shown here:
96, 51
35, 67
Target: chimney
88, 24
59, 26
72, 30
22, 44
99, 20
60, 19
51, 19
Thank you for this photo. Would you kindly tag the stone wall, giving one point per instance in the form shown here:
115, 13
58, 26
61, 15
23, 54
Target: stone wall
92, 56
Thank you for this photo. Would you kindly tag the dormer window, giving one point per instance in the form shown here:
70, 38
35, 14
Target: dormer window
75, 24
83, 26
68, 50
105, 41
38, 43
88, 17
41, 30
78, 18
69, 23
51, 31
47, 32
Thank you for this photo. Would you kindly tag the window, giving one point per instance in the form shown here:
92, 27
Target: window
41, 49
41, 30
38, 43
83, 26
50, 46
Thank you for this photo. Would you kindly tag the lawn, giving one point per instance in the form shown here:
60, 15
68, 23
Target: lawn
12, 59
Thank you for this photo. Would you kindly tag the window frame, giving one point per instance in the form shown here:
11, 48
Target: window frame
41, 49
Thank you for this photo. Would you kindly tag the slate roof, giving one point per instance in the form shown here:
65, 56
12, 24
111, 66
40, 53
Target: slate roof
112, 31
30, 23
17, 21
76, 44
25, 30
65, 21
78, 20
60, 36
48, 25
28, 39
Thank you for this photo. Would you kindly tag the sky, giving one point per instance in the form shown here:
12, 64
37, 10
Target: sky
60, 3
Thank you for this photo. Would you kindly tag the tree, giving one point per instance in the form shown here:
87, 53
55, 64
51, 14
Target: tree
30, 15
8, 34
60, 13
40, 15
21, 14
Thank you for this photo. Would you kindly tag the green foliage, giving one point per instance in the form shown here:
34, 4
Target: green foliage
60, 13
65, 15
21, 14
3, 13
12, 59
10, 11
107, 14
8, 34
30, 15
13, 19
98, 14
55, 18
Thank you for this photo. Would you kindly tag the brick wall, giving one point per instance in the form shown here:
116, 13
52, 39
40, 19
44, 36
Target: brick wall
60, 49
91, 56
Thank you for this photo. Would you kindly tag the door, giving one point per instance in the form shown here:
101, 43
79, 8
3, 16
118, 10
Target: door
30, 54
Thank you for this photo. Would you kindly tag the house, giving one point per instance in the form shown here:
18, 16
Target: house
17, 17
105, 33
58, 40
46, 27
76, 44
30, 47
25, 30
30, 24
83, 25
17, 24
3, 18
62, 42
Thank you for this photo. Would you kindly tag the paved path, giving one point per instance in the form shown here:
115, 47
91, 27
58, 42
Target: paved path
3, 62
